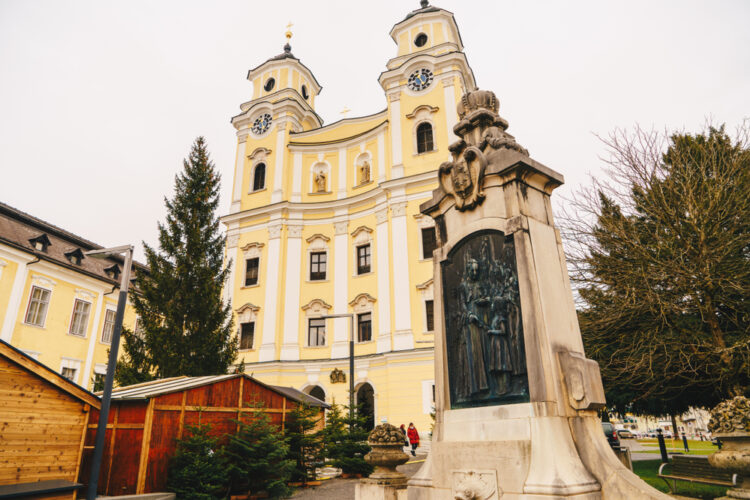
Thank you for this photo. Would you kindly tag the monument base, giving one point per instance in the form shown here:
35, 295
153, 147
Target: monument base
373, 491
523, 451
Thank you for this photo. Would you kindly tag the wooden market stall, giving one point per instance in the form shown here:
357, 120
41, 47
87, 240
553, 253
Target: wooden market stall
146, 419
43, 419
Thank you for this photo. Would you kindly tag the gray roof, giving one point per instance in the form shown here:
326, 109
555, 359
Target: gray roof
147, 390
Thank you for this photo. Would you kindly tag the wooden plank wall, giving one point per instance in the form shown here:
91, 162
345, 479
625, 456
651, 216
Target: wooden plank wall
41, 428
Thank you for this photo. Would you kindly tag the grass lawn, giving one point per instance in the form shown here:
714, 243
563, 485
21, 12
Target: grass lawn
675, 446
647, 470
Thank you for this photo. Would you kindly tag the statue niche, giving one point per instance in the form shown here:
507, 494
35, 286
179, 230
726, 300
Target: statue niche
484, 332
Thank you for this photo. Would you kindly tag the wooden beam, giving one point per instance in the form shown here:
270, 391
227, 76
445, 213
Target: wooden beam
145, 445
229, 409
119, 426
283, 413
112, 448
239, 404
87, 409
182, 414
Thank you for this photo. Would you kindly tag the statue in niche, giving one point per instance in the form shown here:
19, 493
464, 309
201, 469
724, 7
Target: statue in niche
364, 172
484, 334
321, 181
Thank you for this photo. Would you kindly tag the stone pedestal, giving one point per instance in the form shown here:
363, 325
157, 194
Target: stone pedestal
730, 422
516, 398
385, 482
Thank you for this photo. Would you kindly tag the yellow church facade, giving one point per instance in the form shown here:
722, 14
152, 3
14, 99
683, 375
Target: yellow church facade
325, 221
57, 305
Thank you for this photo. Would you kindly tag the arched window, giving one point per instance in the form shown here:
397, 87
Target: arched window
317, 392
259, 178
424, 138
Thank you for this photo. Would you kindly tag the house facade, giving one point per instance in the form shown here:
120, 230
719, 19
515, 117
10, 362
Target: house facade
57, 305
325, 220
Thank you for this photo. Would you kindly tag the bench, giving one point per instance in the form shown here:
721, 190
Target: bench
695, 469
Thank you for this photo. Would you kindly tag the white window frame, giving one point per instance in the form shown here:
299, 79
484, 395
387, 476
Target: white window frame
422, 114
427, 391
248, 313
72, 364
252, 250
424, 222
362, 304
314, 310
318, 243
426, 290
73, 316
108, 310
46, 306
360, 237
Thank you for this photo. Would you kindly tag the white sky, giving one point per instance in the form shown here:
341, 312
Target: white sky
101, 100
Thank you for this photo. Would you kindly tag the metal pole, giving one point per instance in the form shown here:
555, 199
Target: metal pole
107, 396
351, 369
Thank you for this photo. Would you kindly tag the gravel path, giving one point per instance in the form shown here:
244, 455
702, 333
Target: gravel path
343, 489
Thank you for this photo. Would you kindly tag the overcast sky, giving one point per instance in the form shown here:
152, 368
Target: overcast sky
101, 100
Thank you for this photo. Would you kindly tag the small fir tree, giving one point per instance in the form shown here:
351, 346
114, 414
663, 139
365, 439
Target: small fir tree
305, 443
257, 457
197, 470
345, 440
184, 327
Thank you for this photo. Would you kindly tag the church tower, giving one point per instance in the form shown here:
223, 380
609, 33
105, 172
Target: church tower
325, 221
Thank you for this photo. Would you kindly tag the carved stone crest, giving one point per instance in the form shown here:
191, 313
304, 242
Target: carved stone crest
483, 133
475, 485
338, 377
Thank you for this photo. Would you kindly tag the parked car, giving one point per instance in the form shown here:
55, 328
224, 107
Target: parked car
611, 433
624, 434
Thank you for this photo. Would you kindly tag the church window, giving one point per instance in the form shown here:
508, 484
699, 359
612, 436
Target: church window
421, 40
269, 84
316, 332
259, 177
429, 242
69, 373
80, 320
429, 309
318, 264
247, 334
363, 259
38, 303
304, 92
424, 138
364, 327
251, 271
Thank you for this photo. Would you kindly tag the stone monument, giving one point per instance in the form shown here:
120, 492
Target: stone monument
516, 398
730, 422
385, 482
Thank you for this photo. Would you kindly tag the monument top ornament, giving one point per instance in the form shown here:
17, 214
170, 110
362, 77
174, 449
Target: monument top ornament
482, 133
731, 416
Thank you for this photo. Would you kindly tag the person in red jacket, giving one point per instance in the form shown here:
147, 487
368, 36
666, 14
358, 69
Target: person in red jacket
413, 438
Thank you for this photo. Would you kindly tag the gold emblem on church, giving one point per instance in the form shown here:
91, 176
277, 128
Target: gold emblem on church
338, 377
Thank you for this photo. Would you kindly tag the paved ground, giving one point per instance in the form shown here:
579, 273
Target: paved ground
343, 489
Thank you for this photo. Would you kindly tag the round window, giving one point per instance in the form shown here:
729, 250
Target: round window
421, 40
304, 92
269, 84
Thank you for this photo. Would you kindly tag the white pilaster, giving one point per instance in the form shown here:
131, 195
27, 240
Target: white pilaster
231, 259
290, 347
342, 173
97, 330
402, 337
238, 171
340, 347
384, 289
451, 115
381, 157
397, 167
297, 178
278, 173
268, 346
14, 302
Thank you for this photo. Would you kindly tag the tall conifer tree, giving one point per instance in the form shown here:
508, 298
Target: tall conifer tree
184, 326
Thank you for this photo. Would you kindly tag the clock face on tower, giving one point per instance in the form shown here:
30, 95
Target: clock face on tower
261, 124
420, 79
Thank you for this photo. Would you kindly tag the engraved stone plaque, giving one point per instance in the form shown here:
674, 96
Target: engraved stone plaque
483, 326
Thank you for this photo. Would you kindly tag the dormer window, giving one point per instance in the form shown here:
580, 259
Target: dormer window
113, 271
40, 243
74, 256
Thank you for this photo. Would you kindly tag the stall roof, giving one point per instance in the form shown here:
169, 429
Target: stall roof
148, 390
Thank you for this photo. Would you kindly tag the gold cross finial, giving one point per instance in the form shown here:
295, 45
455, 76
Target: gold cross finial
289, 30
345, 111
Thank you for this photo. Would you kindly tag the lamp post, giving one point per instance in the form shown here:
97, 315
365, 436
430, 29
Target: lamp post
108, 381
351, 359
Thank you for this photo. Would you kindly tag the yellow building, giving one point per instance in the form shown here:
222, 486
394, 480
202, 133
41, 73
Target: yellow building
56, 305
325, 220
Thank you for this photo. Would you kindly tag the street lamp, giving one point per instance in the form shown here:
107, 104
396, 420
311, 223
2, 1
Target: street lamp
107, 396
351, 360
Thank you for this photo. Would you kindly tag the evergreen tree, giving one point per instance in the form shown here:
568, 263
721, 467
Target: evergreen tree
184, 328
197, 471
345, 440
665, 271
257, 457
305, 443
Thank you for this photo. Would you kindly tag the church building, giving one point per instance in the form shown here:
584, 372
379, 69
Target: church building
325, 220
